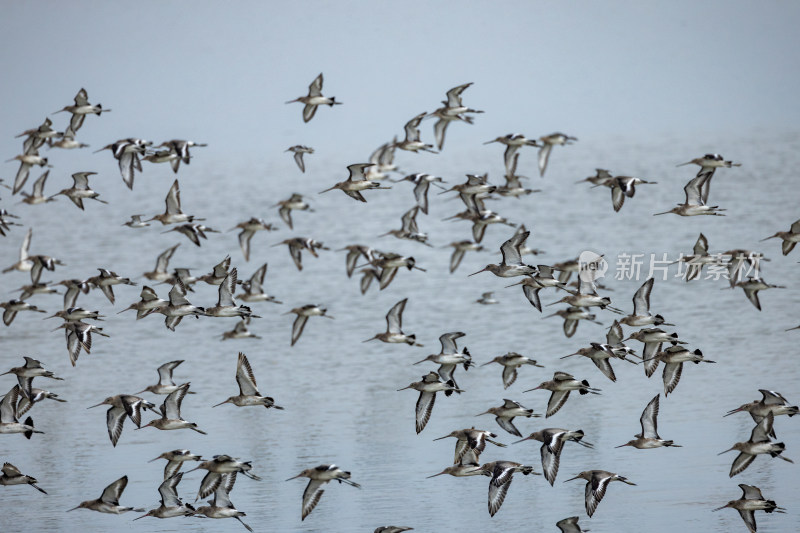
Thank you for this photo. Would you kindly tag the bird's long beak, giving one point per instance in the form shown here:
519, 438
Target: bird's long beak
535, 388
138, 517
478, 272
98, 405
418, 362
622, 445
684, 164
726, 451
295, 477
664, 213
572, 478
439, 474
521, 440
78, 507
483, 413
446, 436
226, 401
156, 459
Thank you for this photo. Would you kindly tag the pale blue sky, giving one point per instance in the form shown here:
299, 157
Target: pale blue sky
221, 74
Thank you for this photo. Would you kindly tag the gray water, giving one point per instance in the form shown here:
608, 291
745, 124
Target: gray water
340, 395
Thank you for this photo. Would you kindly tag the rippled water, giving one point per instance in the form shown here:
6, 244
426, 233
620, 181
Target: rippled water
340, 395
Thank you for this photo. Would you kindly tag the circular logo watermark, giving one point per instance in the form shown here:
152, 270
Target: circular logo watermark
592, 266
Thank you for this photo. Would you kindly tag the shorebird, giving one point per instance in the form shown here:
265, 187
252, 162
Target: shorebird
459, 249
221, 506
412, 143
299, 150
673, 358
36, 288
108, 502
487, 298
37, 395
12, 476
641, 309
449, 357
226, 305
303, 314
248, 391
66, 140
596, 484
513, 186
752, 500
240, 331
770, 402
600, 354
542, 280
354, 251
218, 273
249, 228
470, 444
513, 142
759, 443
173, 213
193, 232
570, 525
171, 505
560, 386
127, 152
505, 414
25, 374
453, 109
136, 222
123, 404
253, 288
422, 183
164, 156
512, 264
553, 440
652, 339
621, 187
392, 529
149, 303
790, 238
8, 416
698, 259
178, 307
36, 137
171, 413
80, 109
389, 263
649, 438
175, 460
180, 148
14, 306
165, 384
587, 296
26, 161
394, 327
409, 230
462, 469
294, 202
318, 477
511, 361
751, 288
74, 288
106, 280
548, 141
696, 192
356, 182
25, 263
37, 196
502, 473
79, 336
428, 388
218, 468
160, 273
571, 317
298, 244
314, 99
709, 163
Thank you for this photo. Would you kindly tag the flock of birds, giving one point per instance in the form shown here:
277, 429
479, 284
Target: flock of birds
659, 344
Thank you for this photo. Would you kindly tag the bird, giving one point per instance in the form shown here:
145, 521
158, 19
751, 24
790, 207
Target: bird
759, 443
502, 473
696, 191
178, 307
165, 385
36, 137
512, 264
81, 108
560, 386
294, 202
160, 273
127, 152
505, 414
318, 477
248, 392
571, 316
641, 315
171, 413
8, 416
314, 99
106, 280
175, 460
121, 405
221, 506
513, 142
449, 357
649, 438
752, 286
673, 358
253, 288
136, 222
356, 182
428, 388
218, 467
303, 313
298, 244
422, 183
173, 213
240, 331
180, 148
392, 529
409, 230
487, 298
510, 362
622, 187
25, 374
171, 505
459, 249
37, 196
600, 354
596, 484
394, 327
412, 142
249, 228
548, 141
470, 444
26, 161
25, 263
299, 150
553, 440
770, 402
79, 336
14, 306
108, 502
752, 500
570, 525
66, 140
37, 395
453, 110
226, 305
12, 476
193, 232
149, 303
790, 238
80, 189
